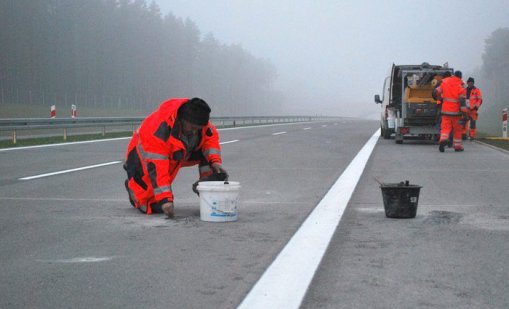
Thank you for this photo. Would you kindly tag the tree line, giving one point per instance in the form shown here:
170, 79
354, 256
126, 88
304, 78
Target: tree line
494, 80
123, 55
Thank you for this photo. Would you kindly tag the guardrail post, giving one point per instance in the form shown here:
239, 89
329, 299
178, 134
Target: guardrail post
14, 139
104, 131
65, 134
234, 123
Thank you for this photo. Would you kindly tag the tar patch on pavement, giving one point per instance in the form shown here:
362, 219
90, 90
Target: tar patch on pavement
437, 217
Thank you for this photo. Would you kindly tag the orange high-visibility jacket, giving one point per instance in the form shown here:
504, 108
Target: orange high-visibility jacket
475, 97
161, 152
451, 90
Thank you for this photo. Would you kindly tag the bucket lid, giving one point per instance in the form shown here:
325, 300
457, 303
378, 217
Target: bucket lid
398, 186
218, 185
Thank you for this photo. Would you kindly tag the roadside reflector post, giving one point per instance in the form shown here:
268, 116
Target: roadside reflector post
104, 131
14, 139
53, 111
65, 134
504, 123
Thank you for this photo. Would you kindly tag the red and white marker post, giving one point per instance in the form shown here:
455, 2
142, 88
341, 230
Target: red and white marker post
74, 111
53, 111
504, 123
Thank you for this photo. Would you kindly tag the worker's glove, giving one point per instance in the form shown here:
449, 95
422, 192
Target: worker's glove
216, 176
168, 209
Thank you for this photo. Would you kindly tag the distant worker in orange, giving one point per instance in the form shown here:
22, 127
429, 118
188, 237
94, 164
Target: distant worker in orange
453, 96
474, 96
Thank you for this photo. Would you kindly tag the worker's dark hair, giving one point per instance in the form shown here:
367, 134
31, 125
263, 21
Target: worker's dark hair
470, 79
458, 74
196, 111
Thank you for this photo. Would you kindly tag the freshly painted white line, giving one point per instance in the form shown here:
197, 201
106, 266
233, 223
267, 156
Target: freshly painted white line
308, 128
88, 259
279, 133
69, 171
285, 282
65, 144
324, 125
229, 142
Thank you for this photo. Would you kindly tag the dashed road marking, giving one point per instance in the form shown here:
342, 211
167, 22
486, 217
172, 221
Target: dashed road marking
279, 133
69, 171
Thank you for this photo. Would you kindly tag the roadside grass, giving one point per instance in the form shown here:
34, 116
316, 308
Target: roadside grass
493, 141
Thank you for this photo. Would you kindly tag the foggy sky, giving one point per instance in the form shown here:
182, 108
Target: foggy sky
332, 55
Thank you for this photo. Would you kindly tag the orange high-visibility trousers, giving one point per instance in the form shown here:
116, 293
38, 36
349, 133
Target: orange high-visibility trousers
451, 123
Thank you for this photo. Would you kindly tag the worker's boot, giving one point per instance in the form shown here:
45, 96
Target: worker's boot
441, 146
458, 149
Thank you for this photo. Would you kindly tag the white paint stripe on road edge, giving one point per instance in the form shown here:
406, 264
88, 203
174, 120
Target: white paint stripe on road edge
279, 133
69, 171
285, 282
308, 128
229, 142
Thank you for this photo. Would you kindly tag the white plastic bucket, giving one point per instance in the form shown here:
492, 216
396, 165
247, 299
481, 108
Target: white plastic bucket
218, 200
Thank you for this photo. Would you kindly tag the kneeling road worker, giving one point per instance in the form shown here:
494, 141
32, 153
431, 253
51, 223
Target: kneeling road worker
177, 134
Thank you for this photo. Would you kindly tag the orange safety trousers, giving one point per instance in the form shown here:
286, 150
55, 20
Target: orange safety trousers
471, 126
451, 123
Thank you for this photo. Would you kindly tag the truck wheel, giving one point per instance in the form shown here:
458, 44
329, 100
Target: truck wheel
387, 134
399, 139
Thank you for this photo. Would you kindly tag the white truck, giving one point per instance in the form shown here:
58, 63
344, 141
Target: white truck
408, 107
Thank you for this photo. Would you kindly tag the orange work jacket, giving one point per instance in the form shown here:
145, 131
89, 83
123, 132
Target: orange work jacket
451, 91
475, 97
162, 153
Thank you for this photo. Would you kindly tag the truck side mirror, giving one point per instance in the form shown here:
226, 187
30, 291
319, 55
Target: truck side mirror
377, 99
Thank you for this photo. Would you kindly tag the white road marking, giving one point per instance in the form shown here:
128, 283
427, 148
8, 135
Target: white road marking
285, 282
324, 125
229, 142
69, 171
279, 133
308, 128
65, 144
88, 259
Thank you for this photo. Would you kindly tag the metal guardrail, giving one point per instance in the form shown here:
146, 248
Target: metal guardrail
22, 124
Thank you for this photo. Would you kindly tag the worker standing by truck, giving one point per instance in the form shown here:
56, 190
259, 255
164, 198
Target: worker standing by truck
453, 96
474, 96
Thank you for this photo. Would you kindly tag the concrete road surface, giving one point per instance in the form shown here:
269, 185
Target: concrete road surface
71, 239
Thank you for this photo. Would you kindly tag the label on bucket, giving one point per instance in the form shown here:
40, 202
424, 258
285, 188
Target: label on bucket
225, 208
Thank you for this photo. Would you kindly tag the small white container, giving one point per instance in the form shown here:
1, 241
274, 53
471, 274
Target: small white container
218, 200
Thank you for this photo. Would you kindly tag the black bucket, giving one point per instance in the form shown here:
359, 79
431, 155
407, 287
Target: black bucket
400, 199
